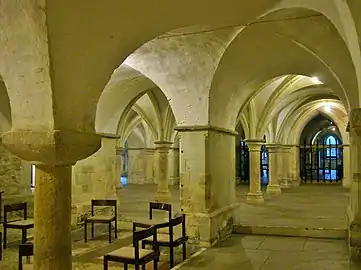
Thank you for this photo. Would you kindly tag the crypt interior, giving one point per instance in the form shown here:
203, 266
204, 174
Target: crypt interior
244, 117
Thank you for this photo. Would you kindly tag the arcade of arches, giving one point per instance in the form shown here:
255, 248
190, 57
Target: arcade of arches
100, 97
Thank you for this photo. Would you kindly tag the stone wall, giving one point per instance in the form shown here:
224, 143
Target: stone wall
96, 177
15, 180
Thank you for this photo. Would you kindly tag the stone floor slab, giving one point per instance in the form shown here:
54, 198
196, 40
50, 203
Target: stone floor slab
237, 254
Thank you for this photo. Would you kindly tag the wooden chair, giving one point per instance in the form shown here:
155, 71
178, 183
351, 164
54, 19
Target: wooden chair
160, 207
169, 240
20, 224
101, 218
25, 250
134, 255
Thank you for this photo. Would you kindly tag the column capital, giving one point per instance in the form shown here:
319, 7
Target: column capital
149, 151
272, 147
355, 121
283, 147
163, 144
254, 145
119, 150
51, 147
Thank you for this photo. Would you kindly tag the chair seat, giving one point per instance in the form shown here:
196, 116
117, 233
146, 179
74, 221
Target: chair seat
21, 223
163, 238
129, 253
101, 218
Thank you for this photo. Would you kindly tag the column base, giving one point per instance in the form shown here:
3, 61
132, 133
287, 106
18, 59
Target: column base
274, 189
354, 240
163, 196
208, 229
285, 183
296, 182
255, 198
174, 181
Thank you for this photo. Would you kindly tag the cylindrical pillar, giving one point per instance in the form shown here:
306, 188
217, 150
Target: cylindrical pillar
346, 181
255, 194
273, 186
283, 166
52, 214
163, 193
149, 171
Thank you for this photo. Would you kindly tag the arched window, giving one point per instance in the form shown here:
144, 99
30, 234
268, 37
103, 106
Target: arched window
331, 149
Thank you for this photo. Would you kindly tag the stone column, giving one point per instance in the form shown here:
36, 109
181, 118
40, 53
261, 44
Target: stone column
207, 183
346, 181
273, 186
137, 166
173, 167
119, 186
52, 213
149, 164
354, 209
295, 167
283, 167
54, 152
255, 194
161, 172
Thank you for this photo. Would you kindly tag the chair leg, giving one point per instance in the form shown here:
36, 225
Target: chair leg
85, 232
110, 232
125, 266
23, 236
20, 262
1, 249
155, 264
171, 254
143, 266
136, 267
116, 229
5, 231
184, 252
105, 263
92, 230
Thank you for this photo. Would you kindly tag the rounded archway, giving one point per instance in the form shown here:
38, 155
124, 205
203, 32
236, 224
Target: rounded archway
321, 152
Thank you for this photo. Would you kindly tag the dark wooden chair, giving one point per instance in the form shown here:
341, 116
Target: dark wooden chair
170, 240
25, 250
20, 224
160, 207
102, 218
134, 255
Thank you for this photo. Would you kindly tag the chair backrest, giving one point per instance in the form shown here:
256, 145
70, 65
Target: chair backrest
143, 234
175, 222
25, 250
160, 207
8, 208
112, 203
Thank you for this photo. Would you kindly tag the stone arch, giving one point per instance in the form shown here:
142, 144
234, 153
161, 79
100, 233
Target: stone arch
122, 91
312, 91
305, 113
286, 54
